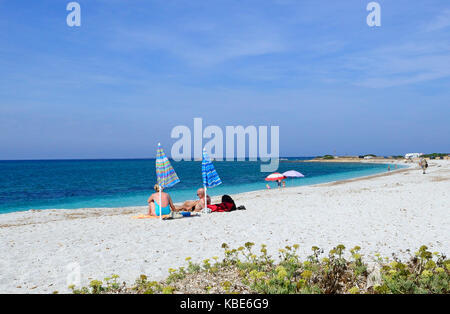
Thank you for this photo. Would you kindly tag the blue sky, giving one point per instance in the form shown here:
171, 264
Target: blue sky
118, 84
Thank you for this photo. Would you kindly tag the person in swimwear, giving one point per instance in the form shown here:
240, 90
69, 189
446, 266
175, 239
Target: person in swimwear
154, 208
197, 205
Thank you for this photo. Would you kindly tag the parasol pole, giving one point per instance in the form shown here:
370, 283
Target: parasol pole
160, 208
206, 197
160, 197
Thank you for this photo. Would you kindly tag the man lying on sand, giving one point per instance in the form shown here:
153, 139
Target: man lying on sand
197, 205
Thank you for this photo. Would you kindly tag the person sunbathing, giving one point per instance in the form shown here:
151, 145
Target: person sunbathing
156, 209
197, 205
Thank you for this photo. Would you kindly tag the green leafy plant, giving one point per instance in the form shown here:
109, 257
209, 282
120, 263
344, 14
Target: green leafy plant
339, 271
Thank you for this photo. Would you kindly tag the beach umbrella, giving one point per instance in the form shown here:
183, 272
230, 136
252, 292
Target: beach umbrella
275, 177
209, 174
165, 174
293, 174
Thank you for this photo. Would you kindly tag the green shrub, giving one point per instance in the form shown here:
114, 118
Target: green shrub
243, 271
435, 155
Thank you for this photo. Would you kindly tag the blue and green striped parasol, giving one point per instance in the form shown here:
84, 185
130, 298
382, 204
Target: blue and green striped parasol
165, 173
209, 175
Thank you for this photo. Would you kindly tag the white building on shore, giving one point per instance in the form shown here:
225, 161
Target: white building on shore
413, 155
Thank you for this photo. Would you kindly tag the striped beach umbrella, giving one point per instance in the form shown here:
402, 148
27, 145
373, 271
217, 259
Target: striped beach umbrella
165, 173
209, 174
275, 177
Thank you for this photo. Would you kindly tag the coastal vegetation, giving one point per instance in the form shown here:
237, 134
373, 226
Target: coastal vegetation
340, 271
367, 155
326, 157
435, 155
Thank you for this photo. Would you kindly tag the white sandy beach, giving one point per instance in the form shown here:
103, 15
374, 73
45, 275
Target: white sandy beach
384, 213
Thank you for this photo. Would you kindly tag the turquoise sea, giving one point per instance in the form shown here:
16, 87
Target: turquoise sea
69, 184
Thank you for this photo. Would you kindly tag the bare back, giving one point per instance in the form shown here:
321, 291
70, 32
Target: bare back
165, 198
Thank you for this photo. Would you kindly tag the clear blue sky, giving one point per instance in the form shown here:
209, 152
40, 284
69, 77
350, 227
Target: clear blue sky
312, 67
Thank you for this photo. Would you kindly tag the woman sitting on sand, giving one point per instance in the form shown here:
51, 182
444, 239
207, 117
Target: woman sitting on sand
154, 208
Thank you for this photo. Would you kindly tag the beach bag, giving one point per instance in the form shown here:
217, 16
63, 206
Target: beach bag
228, 199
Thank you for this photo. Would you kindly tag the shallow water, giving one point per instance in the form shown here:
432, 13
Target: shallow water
72, 184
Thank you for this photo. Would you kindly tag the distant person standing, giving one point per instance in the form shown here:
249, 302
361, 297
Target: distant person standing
389, 168
279, 184
423, 164
284, 184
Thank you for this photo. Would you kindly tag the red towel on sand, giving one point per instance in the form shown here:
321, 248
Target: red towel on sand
222, 207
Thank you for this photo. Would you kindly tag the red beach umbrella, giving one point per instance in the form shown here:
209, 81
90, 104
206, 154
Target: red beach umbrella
275, 177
